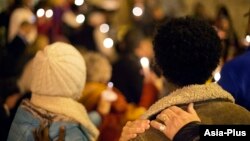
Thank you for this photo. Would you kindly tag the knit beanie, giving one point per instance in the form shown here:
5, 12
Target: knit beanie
58, 71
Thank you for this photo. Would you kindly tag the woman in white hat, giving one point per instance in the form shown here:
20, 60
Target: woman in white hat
58, 78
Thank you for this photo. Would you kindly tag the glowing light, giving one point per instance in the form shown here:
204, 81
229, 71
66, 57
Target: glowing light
104, 28
108, 43
144, 62
137, 11
110, 85
248, 38
49, 13
40, 12
79, 2
217, 76
109, 94
80, 18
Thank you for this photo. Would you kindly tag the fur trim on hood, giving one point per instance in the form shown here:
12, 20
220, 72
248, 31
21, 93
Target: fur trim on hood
189, 94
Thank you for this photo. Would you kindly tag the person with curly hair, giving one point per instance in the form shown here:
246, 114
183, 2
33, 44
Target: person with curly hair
188, 51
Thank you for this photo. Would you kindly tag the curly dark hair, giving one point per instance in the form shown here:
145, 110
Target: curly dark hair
187, 50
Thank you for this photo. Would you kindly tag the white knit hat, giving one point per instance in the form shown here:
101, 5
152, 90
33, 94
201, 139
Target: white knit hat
58, 70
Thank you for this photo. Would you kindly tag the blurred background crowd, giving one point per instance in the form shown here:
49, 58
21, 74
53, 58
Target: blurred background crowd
115, 39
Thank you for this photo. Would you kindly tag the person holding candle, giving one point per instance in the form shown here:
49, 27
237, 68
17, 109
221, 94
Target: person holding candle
98, 89
128, 73
100, 96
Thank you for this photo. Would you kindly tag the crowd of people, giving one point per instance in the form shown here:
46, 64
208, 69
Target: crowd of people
153, 80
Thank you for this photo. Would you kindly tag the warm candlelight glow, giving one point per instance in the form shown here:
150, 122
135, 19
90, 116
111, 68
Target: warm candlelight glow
108, 43
109, 94
104, 28
40, 12
49, 13
137, 11
79, 2
248, 38
144, 62
217, 76
80, 18
110, 85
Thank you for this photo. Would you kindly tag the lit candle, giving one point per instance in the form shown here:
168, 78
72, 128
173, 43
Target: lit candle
108, 43
138, 9
40, 12
145, 65
144, 62
110, 85
104, 28
80, 18
248, 38
79, 2
217, 76
109, 94
107, 97
48, 13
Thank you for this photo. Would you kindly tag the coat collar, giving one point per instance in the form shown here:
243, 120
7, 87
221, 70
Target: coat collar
67, 107
189, 94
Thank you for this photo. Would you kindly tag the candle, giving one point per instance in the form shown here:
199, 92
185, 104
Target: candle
108, 43
110, 85
107, 97
248, 38
138, 9
144, 62
145, 66
217, 76
109, 94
